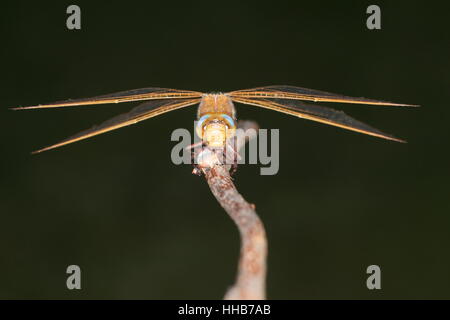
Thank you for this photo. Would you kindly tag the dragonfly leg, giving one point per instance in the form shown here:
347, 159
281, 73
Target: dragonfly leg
203, 157
194, 148
232, 156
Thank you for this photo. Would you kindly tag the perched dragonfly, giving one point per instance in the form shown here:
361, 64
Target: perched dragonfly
216, 113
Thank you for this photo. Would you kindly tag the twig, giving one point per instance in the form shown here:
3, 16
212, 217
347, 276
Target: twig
251, 278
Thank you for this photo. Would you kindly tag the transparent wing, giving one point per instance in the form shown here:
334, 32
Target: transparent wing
142, 112
317, 113
297, 93
123, 96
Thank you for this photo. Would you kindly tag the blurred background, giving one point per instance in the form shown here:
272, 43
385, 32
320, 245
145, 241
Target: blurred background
141, 227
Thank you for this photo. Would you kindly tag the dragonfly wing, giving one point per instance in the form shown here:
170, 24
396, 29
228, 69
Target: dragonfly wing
317, 113
142, 112
298, 93
123, 96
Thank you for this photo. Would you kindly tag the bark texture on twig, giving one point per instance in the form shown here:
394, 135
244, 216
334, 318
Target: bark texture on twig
251, 278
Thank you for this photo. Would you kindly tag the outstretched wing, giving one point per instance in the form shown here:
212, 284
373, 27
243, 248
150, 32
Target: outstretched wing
297, 93
123, 96
142, 112
316, 113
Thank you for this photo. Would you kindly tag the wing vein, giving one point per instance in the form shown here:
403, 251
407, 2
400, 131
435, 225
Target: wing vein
142, 112
298, 93
123, 96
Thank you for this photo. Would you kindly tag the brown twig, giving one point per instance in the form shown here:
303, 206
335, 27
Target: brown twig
251, 278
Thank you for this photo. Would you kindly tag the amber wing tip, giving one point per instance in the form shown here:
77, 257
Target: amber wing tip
402, 105
24, 108
40, 150
412, 105
397, 139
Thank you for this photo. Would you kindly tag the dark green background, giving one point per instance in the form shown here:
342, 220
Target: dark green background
142, 227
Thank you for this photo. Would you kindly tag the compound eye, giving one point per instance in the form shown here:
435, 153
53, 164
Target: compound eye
231, 125
201, 125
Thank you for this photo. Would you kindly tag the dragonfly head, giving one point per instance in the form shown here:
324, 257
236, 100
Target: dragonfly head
215, 129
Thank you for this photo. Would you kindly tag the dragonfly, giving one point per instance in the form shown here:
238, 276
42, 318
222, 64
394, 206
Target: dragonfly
216, 113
